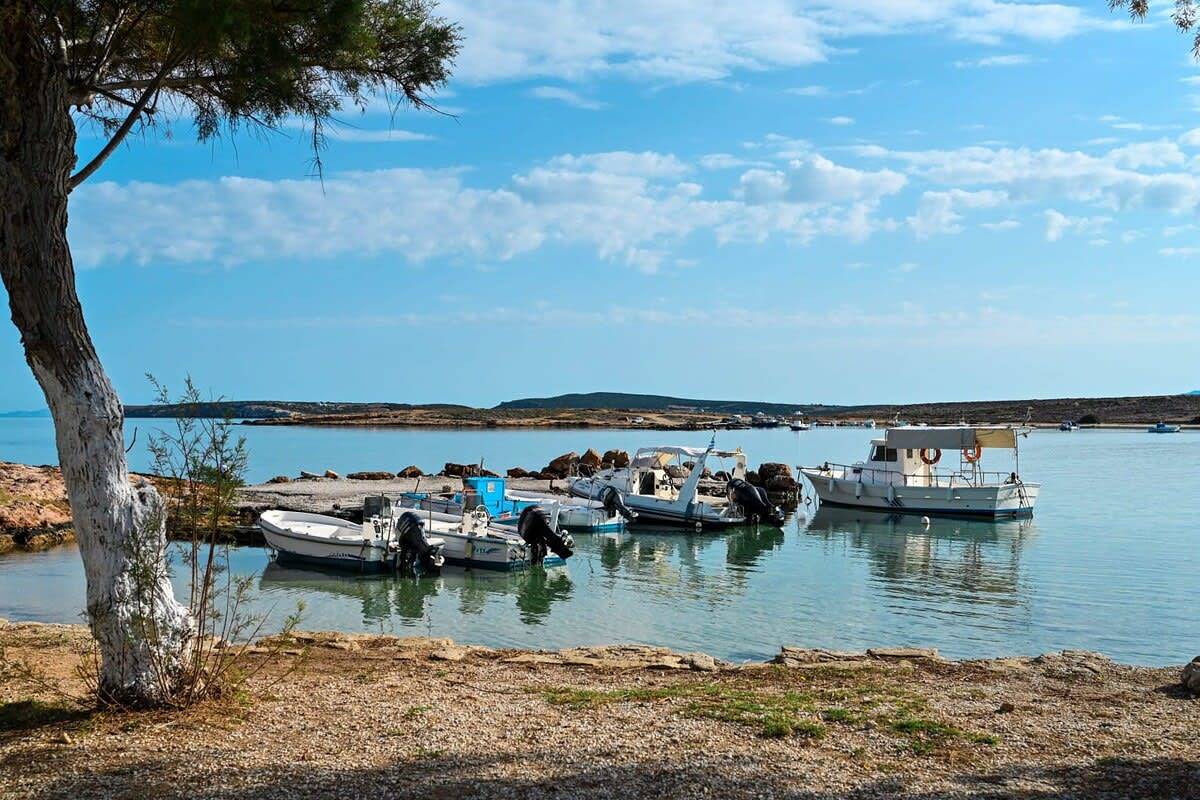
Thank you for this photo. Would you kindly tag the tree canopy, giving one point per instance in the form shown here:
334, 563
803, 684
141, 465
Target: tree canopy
231, 63
1186, 16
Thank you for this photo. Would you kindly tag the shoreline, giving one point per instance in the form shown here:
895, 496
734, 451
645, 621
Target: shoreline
379, 716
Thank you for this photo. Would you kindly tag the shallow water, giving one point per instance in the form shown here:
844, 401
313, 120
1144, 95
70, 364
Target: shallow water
1109, 561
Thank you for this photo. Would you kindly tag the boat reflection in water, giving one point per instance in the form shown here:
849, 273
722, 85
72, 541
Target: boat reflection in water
386, 598
948, 559
671, 565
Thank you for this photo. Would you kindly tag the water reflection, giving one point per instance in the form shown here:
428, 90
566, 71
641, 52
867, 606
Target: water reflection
951, 559
669, 564
386, 597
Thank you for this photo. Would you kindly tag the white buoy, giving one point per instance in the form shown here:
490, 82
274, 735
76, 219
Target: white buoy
925, 521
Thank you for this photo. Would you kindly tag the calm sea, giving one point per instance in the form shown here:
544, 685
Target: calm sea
1109, 562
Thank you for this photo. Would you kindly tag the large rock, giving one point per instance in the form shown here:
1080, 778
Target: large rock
773, 469
1191, 675
305, 475
452, 470
564, 465
371, 476
410, 472
518, 472
590, 458
280, 479
618, 458
331, 474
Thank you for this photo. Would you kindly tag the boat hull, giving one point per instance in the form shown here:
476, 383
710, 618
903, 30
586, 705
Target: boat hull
1008, 500
357, 556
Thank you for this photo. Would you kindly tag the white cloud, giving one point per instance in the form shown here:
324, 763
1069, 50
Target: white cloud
841, 120
809, 91
1058, 223
1001, 225
342, 132
567, 96
682, 40
1054, 175
1011, 60
729, 161
817, 181
937, 212
1191, 138
1185, 252
628, 208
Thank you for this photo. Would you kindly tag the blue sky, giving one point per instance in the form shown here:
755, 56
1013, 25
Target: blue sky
803, 202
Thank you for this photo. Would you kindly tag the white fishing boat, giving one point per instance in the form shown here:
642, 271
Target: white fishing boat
1068, 425
648, 487
901, 474
384, 541
1163, 427
474, 539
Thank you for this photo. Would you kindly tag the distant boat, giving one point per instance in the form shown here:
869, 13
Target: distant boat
1163, 427
798, 425
1068, 425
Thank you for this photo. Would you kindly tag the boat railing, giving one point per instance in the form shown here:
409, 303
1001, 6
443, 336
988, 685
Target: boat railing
932, 479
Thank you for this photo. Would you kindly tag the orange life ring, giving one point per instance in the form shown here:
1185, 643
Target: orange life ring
972, 455
936, 457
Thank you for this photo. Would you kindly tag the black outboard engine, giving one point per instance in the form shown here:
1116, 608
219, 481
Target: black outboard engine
535, 528
415, 548
754, 502
614, 503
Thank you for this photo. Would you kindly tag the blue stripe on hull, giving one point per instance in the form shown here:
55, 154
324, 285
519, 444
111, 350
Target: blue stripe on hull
346, 564
510, 566
933, 512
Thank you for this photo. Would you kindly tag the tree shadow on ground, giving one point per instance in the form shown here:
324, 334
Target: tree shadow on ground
23, 716
499, 776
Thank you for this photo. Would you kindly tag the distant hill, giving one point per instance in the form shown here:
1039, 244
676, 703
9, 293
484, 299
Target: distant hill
39, 412
267, 409
658, 402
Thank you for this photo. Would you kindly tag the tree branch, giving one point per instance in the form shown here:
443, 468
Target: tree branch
123, 131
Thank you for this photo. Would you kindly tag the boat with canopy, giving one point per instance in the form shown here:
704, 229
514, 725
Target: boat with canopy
907, 472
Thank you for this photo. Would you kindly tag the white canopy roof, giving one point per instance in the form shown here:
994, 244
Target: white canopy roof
951, 437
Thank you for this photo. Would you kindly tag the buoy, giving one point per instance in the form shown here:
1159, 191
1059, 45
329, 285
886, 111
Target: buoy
925, 521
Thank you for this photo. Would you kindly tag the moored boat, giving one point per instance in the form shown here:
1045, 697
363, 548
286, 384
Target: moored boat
504, 505
384, 541
648, 487
1163, 427
901, 475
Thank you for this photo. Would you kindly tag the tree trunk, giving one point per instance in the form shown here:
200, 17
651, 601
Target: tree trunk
143, 633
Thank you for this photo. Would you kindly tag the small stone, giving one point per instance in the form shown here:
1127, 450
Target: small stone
701, 662
65, 738
448, 654
1006, 708
280, 479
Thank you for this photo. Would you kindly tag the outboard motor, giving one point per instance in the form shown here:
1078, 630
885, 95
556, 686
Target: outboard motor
535, 528
754, 502
614, 503
415, 548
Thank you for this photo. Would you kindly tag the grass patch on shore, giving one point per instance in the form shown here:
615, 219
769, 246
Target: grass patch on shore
803, 712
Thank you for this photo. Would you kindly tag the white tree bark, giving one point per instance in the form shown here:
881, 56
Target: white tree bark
143, 633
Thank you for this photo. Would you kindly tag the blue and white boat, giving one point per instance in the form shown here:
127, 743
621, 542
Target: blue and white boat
504, 506
1163, 427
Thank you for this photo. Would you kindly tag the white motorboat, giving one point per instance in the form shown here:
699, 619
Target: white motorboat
474, 539
1163, 427
1068, 425
648, 487
505, 505
901, 474
383, 542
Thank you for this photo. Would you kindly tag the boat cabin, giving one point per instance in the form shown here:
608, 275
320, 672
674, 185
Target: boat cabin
656, 471
935, 456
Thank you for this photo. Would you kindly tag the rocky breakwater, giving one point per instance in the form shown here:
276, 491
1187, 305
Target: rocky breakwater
34, 511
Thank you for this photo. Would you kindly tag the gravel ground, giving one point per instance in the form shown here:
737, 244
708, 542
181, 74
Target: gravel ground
365, 716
